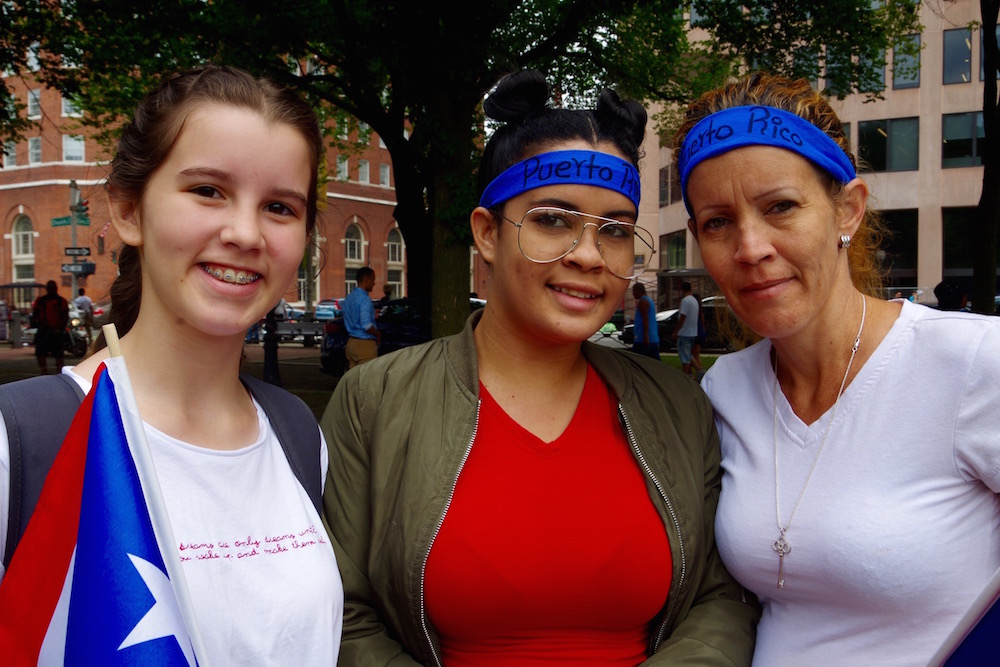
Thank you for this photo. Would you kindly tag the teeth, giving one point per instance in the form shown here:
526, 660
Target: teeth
579, 295
230, 275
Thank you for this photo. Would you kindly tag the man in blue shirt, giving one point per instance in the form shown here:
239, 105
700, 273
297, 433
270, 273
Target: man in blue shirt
645, 331
359, 319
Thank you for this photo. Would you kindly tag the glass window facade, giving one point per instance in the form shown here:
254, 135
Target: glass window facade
890, 145
962, 139
906, 68
958, 56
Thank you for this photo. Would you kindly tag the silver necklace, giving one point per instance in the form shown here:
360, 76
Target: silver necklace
781, 545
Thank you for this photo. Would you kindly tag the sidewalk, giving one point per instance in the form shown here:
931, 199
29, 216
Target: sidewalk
298, 369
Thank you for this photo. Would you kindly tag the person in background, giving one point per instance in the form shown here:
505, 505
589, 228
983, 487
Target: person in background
645, 331
359, 319
386, 297
859, 441
950, 296
515, 494
86, 308
699, 340
50, 314
686, 332
213, 192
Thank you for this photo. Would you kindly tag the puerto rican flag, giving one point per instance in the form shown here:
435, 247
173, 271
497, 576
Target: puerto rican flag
89, 583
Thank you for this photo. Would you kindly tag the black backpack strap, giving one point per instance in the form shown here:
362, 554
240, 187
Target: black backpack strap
38, 412
297, 430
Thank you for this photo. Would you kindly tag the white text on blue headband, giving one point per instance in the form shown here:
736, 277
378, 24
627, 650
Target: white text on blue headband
577, 167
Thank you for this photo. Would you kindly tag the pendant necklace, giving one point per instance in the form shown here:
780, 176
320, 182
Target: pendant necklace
781, 545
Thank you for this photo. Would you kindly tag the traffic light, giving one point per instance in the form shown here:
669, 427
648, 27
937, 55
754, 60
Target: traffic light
82, 207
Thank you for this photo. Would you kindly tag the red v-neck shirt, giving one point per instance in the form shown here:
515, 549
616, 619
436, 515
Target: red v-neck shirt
550, 553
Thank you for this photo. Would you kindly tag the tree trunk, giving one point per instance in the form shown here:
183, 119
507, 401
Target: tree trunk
984, 285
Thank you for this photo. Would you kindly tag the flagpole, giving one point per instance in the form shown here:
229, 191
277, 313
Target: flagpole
136, 437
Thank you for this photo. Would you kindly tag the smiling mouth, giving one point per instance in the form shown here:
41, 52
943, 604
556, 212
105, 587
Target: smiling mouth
230, 275
575, 293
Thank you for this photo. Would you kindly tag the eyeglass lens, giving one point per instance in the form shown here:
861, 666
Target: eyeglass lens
548, 234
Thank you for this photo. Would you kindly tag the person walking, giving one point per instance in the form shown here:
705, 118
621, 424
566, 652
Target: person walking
859, 440
515, 494
686, 332
50, 313
84, 304
359, 319
645, 331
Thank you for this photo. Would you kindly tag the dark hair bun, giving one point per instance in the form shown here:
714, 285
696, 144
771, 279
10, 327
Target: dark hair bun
627, 116
518, 96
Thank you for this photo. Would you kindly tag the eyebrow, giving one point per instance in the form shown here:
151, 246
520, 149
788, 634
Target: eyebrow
226, 177
561, 203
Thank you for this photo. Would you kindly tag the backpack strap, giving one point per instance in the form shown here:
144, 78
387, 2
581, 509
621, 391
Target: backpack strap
298, 432
38, 412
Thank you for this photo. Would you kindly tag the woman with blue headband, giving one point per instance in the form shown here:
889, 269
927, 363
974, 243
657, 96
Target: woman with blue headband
516, 495
859, 437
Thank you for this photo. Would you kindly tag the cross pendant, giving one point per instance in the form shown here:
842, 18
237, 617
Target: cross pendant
782, 546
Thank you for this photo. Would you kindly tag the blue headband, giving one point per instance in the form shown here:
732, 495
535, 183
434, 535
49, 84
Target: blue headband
725, 130
564, 167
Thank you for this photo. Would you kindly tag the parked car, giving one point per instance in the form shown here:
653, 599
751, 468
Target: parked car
402, 323
326, 310
666, 323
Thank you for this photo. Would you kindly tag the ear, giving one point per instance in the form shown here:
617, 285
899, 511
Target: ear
484, 233
125, 219
852, 206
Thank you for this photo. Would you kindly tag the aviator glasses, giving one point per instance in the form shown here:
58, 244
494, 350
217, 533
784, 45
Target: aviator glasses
547, 234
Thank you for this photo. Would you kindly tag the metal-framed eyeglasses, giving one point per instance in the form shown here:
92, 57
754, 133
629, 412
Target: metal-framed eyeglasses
547, 234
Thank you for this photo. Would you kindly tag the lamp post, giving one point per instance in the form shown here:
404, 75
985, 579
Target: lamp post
74, 205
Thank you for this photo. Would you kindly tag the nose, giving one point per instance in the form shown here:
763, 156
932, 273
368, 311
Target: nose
586, 253
243, 228
753, 243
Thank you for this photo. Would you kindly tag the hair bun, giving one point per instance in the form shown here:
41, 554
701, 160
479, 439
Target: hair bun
627, 115
517, 96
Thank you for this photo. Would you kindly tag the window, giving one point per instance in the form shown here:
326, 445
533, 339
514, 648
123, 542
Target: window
957, 55
673, 250
350, 279
838, 71
962, 139
874, 82
34, 150
905, 67
901, 243
353, 244
697, 20
394, 247
72, 148
982, 52
670, 187
23, 239
69, 108
383, 175
363, 172
342, 168
396, 281
958, 239
889, 145
381, 143
35, 103
9, 153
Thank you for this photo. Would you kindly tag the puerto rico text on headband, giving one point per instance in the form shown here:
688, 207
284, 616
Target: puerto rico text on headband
564, 167
760, 126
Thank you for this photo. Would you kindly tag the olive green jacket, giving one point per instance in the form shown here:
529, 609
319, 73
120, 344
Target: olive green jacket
400, 428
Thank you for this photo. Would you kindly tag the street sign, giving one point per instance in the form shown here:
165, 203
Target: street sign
80, 268
77, 252
66, 221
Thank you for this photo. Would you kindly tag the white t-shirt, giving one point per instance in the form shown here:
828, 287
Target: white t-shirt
689, 308
899, 528
259, 566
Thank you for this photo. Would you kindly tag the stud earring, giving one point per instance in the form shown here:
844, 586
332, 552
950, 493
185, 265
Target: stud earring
845, 240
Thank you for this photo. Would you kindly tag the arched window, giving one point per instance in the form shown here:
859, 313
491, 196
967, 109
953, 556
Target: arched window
354, 244
394, 247
23, 249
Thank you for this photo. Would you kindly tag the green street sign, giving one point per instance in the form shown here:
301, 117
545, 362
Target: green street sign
66, 221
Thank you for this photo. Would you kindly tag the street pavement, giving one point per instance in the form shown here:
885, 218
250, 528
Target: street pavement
298, 369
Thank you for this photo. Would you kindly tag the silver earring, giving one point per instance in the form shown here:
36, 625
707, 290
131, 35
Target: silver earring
845, 240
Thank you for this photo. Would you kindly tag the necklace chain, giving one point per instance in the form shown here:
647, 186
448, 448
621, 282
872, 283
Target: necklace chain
781, 545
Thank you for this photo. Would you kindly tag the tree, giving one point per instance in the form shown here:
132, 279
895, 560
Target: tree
399, 66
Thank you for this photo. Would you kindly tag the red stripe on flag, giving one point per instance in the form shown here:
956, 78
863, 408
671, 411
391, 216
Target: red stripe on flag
34, 581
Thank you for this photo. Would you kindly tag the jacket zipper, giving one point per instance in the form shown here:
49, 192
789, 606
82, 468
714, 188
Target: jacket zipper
673, 516
437, 529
